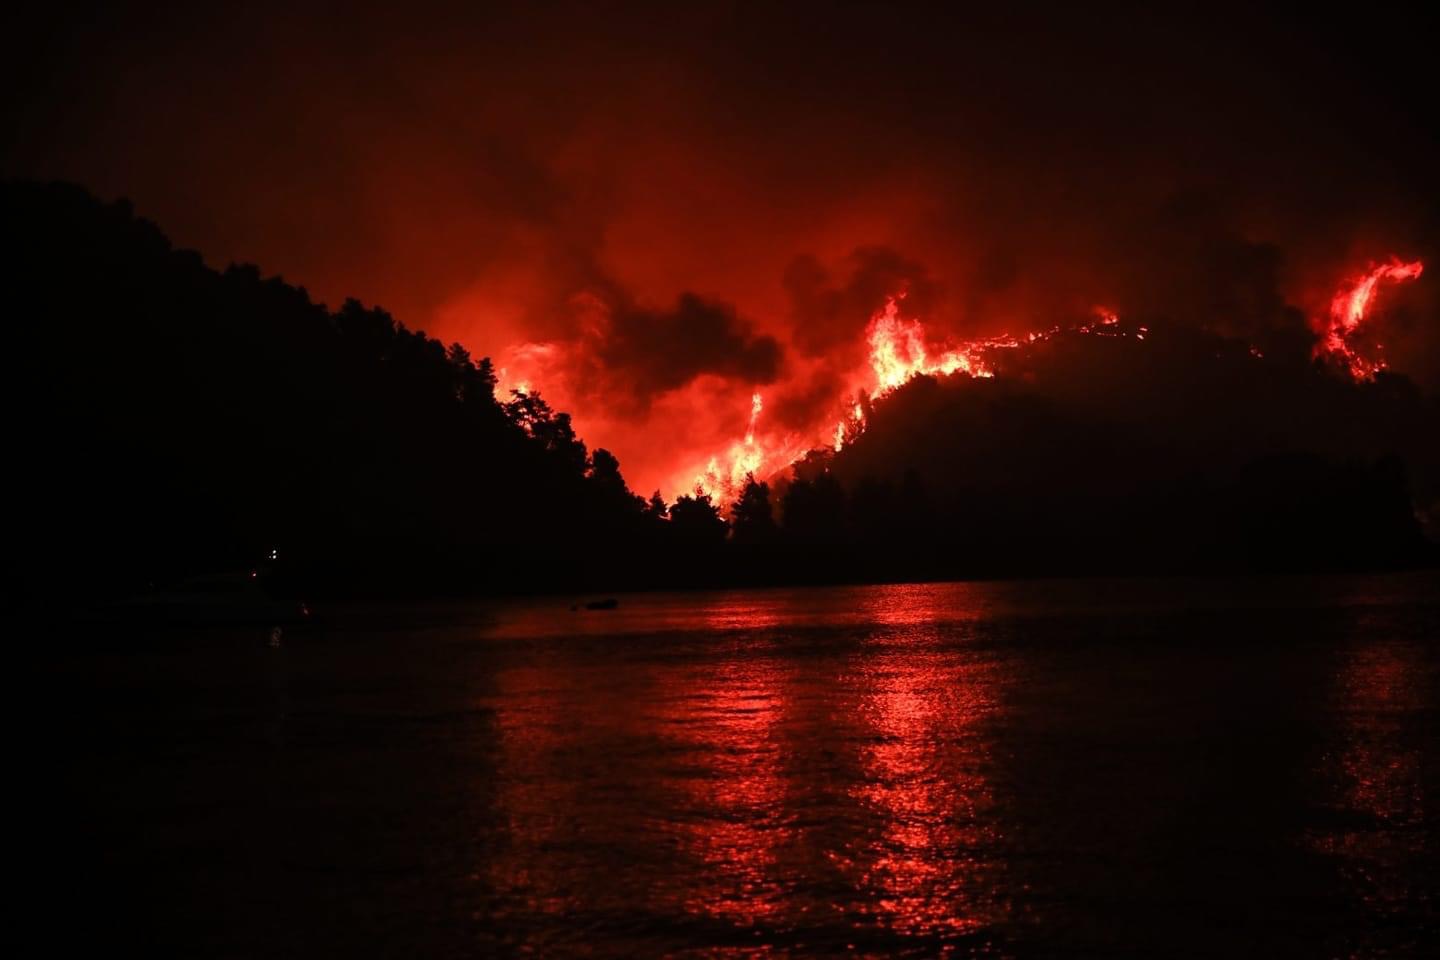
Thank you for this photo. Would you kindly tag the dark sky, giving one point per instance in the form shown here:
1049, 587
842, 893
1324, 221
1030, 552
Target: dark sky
680, 203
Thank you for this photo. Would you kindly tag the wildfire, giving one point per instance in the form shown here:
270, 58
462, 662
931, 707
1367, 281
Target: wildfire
1349, 309
898, 352
846, 431
899, 349
756, 405
524, 362
743, 460
725, 475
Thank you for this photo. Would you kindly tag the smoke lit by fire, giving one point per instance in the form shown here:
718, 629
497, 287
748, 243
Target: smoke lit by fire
897, 348
898, 351
570, 192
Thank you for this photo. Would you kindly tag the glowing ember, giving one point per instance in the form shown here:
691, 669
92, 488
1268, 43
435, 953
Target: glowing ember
1349, 309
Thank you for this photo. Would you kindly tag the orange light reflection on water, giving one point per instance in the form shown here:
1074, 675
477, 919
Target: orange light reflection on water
923, 701
1374, 775
775, 781
736, 821
932, 868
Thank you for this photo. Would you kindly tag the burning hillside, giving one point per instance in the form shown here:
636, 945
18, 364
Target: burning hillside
1351, 307
896, 348
649, 219
385, 457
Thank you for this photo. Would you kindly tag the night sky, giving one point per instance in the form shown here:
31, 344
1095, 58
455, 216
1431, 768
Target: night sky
651, 212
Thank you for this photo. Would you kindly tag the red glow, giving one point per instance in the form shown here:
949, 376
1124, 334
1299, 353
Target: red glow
736, 715
725, 474
1373, 775
931, 869
898, 353
1349, 310
898, 349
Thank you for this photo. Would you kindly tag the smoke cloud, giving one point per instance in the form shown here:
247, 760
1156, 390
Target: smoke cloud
649, 213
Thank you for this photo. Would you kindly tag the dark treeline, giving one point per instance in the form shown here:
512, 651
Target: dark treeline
1179, 452
168, 419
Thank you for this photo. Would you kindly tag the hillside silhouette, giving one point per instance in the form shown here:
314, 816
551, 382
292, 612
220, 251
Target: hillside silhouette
169, 419
1181, 452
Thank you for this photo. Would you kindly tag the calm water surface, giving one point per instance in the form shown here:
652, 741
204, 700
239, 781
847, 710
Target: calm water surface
1064, 768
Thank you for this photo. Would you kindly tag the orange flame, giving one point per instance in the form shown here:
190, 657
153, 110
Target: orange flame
845, 432
898, 352
725, 475
1349, 309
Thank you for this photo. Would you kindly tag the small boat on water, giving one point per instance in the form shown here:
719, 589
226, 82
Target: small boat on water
609, 603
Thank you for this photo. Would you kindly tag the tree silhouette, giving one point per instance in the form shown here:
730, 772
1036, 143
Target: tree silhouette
246, 416
752, 521
813, 511
696, 521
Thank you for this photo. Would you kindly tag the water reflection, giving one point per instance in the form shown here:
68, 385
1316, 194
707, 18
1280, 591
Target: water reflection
725, 611
534, 795
730, 814
932, 869
993, 769
912, 770
1374, 775
759, 780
